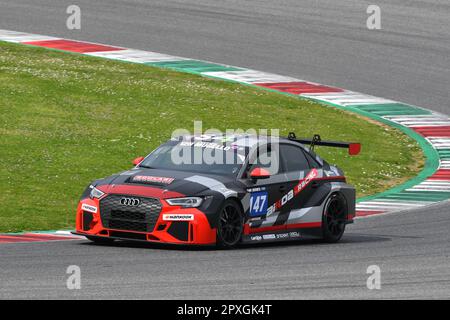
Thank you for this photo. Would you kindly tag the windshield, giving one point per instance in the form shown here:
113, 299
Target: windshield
201, 157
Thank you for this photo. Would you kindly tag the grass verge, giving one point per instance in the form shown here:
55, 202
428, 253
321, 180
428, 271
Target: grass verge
68, 119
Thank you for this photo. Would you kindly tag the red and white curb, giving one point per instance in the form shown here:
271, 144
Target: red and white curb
435, 128
38, 237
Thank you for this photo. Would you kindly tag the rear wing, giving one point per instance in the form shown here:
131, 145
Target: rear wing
354, 148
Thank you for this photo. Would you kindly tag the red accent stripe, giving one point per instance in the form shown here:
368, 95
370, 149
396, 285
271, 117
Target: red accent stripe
331, 178
299, 87
364, 213
304, 225
435, 131
442, 174
248, 230
73, 46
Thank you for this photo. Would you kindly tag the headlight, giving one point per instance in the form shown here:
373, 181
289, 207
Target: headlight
189, 202
95, 193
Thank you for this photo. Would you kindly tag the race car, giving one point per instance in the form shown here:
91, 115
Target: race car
222, 190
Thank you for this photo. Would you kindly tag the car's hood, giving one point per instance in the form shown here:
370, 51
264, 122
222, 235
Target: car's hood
187, 183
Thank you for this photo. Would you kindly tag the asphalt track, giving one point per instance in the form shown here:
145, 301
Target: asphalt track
326, 42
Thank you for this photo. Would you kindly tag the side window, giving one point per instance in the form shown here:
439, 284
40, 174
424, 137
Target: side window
294, 158
266, 158
312, 162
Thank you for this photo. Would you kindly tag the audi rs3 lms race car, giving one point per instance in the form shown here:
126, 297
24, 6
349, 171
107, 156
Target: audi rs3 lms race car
222, 190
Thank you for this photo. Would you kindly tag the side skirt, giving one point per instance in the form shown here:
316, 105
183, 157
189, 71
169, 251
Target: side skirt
283, 235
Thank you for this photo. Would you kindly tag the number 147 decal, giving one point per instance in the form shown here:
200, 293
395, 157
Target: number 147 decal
258, 203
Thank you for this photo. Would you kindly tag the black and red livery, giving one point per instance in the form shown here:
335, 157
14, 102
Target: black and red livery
170, 197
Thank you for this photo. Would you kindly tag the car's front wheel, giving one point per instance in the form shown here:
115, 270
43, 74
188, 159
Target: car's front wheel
231, 225
334, 218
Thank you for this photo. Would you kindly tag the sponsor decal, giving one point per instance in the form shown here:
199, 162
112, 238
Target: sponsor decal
152, 179
178, 217
276, 236
293, 192
282, 235
88, 208
258, 203
205, 145
287, 235
256, 189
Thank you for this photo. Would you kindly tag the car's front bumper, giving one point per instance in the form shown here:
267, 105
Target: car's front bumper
174, 225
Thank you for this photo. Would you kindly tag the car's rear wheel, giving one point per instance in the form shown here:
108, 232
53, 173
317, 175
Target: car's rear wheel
100, 240
334, 218
230, 225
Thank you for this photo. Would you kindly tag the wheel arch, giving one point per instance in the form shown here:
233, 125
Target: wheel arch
349, 194
237, 201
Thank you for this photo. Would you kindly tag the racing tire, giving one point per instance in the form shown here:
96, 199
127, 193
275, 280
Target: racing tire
230, 225
100, 240
334, 218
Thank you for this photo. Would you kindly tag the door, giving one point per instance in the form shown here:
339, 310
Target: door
301, 186
265, 192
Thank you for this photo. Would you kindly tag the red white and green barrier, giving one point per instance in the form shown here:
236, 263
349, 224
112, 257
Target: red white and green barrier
430, 129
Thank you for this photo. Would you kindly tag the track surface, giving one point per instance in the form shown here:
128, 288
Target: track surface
326, 42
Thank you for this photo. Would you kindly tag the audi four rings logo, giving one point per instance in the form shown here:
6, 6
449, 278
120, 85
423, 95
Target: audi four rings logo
133, 202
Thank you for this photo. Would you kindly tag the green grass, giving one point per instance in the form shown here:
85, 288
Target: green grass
68, 119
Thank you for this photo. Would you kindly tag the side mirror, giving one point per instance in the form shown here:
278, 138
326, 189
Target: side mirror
259, 173
138, 160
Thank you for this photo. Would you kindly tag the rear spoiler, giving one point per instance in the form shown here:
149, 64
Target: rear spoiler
354, 148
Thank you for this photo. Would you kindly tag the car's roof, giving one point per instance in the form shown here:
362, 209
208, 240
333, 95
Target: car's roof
240, 139
242, 143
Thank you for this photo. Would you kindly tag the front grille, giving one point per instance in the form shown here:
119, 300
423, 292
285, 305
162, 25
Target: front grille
127, 215
140, 218
128, 225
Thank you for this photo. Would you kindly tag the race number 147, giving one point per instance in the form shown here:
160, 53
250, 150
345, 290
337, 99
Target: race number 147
258, 203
